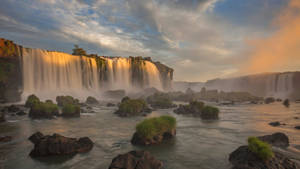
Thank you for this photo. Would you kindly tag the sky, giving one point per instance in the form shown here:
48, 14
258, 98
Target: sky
199, 39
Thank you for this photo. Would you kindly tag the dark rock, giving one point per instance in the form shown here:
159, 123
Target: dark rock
297, 127
13, 108
286, 103
276, 139
58, 145
2, 116
21, 113
243, 158
5, 139
296, 118
91, 100
276, 123
135, 160
269, 100
138, 140
110, 105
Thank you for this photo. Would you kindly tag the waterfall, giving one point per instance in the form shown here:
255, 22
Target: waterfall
280, 85
49, 74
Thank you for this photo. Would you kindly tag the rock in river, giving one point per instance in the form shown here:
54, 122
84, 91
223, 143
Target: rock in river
58, 145
276, 139
135, 160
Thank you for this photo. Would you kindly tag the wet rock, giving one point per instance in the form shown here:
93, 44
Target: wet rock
276, 123
139, 140
135, 160
296, 118
5, 139
58, 145
276, 139
286, 103
297, 127
269, 100
243, 158
2, 116
21, 113
13, 108
110, 105
91, 100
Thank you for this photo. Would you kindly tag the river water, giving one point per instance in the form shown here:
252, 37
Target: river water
198, 144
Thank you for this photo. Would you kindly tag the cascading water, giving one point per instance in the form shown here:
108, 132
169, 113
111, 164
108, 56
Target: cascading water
280, 85
49, 74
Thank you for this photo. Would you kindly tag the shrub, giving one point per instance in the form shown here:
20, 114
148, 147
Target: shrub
31, 100
91, 100
132, 107
155, 126
71, 110
64, 100
261, 149
43, 110
210, 112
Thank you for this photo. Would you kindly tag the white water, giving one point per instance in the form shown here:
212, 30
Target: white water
49, 74
280, 85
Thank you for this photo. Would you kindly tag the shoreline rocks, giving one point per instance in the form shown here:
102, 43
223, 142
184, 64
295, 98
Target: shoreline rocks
243, 158
46, 145
4, 139
276, 123
276, 139
136, 160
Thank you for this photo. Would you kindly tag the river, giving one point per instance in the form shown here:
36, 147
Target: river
198, 144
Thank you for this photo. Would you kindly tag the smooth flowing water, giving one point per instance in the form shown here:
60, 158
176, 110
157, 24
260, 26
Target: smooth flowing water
49, 74
198, 143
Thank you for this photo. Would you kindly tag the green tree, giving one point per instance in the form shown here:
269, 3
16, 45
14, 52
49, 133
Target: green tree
78, 51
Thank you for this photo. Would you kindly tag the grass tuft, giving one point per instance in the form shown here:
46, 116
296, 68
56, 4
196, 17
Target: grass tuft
262, 149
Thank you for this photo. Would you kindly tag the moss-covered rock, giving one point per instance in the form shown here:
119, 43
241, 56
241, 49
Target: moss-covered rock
31, 100
132, 107
269, 100
43, 110
154, 130
262, 149
71, 110
160, 101
91, 100
210, 112
65, 100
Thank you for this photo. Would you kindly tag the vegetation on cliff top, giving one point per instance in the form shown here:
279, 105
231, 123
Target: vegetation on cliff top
262, 149
155, 126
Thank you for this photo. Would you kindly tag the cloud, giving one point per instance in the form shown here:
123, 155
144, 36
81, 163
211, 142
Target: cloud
280, 50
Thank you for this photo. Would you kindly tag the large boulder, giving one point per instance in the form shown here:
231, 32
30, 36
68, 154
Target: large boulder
91, 100
64, 100
71, 110
154, 131
132, 107
276, 139
58, 145
42, 110
135, 160
243, 158
160, 101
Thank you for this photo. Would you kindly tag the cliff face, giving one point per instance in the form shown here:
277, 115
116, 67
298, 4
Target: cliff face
10, 71
35, 70
282, 85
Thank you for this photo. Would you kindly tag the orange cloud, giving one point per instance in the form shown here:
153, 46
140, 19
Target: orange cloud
281, 50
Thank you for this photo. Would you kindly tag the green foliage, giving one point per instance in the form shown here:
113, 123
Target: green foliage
132, 106
41, 109
155, 126
71, 110
210, 112
64, 100
78, 51
261, 149
160, 100
31, 100
101, 63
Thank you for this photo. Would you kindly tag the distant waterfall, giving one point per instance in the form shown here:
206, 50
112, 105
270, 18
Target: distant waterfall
48, 74
280, 85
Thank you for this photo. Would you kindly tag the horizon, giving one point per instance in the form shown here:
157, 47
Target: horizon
200, 39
